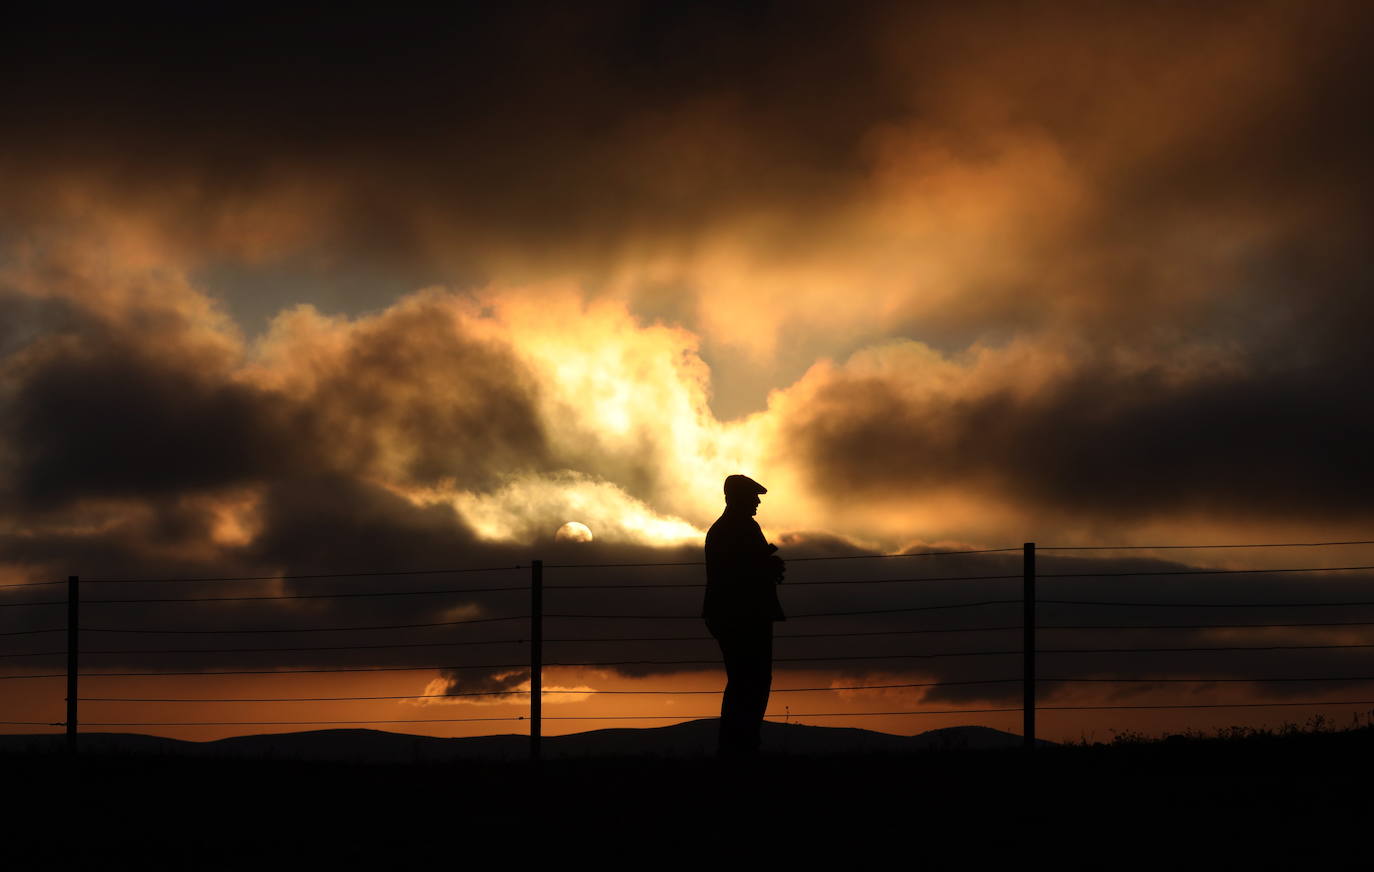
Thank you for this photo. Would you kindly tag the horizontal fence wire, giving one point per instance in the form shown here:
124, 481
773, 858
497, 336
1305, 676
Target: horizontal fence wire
277, 598
1213, 705
828, 688
896, 611
452, 667
790, 560
517, 566
1210, 680
395, 593
293, 723
675, 662
517, 641
661, 692
398, 645
989, 629
295, 671
1203, 626
1199, 649
1015, 710
694, 586
547, 692
1171, 572
856, 634
1179, 605
295, 577
1198, 547
160, 630
311, 596
831, 659
795, 616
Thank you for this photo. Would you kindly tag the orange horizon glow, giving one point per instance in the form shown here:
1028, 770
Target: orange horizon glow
655, 711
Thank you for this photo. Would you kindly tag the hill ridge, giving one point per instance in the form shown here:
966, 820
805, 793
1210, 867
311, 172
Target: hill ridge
686, 739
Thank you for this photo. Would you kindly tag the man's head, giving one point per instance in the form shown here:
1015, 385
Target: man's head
742, 492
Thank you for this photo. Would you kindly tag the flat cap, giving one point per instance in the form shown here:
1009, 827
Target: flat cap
742, 485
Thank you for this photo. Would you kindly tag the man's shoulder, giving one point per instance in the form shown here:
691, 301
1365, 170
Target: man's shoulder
731, 524
718, 533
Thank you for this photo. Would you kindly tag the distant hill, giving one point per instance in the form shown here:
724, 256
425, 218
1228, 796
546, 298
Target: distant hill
689, 739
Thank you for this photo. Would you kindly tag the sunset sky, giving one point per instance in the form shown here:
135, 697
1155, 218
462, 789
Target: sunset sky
346, 289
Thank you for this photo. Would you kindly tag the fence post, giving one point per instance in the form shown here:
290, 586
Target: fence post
73, 652
536, 657
1028, 645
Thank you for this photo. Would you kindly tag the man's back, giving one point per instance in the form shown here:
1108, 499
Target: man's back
741, 573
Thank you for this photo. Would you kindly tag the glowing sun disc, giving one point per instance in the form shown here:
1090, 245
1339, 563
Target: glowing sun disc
573, 531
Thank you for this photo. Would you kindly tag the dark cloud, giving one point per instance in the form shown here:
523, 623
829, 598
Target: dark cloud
149, 406
552, 131
95, 409
561, 128
455, 406
1105, 440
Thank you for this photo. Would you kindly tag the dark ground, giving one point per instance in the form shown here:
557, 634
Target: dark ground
1269, 801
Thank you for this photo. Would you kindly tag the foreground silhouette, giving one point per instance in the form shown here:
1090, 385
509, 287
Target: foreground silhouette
741, 604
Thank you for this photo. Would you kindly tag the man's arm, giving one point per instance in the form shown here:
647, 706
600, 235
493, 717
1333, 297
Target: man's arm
768, 561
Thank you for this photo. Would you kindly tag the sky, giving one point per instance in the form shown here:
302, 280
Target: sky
328, 289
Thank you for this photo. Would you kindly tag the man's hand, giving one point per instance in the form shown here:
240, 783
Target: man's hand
776, 567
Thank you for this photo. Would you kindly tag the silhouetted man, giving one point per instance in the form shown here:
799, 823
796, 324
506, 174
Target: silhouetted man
742, 575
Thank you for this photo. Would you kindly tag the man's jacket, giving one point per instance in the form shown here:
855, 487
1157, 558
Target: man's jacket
742, 573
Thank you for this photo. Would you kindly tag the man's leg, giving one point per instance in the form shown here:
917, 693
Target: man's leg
727, 742
757, 665
747, 649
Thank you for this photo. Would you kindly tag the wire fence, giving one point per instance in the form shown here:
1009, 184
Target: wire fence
518, 636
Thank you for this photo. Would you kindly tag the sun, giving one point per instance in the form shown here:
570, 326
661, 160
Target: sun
573, 531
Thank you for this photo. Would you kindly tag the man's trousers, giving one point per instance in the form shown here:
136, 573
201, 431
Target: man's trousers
747, 647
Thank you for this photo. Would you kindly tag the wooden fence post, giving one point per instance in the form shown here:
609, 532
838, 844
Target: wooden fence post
536, 657
1028, 645
73, 657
